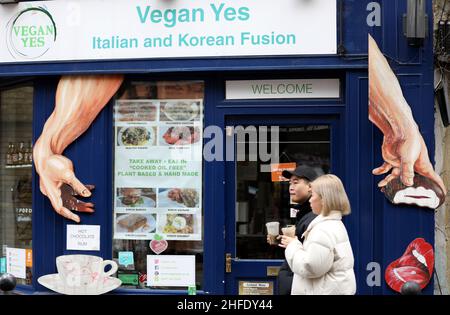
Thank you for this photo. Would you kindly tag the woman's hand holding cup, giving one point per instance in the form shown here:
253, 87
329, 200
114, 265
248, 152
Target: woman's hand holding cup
286, 240
288, 235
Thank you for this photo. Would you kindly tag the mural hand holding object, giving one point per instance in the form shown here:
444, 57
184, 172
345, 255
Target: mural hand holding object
79, 99
404, 151
70, 202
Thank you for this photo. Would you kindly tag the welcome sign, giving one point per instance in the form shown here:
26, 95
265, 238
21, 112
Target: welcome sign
115, 29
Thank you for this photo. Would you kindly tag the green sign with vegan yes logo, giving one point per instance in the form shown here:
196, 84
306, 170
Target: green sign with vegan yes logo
32, 32
71, 30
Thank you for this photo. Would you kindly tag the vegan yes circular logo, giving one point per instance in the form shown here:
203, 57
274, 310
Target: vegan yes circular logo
31, 33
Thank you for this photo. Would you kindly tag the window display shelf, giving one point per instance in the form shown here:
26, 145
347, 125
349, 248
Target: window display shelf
19, 166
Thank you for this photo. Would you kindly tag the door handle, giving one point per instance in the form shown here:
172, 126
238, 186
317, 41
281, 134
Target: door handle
228, 263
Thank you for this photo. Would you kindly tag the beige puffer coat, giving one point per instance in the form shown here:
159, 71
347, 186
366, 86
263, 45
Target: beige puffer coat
323, 264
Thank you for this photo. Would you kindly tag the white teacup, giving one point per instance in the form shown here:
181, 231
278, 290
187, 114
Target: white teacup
83, 271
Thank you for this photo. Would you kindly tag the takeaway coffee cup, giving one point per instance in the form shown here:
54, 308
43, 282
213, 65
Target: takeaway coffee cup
288, 230
273, 229
83, 271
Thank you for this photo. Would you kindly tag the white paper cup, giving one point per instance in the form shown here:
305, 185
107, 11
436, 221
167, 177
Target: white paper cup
273, 228
288, 230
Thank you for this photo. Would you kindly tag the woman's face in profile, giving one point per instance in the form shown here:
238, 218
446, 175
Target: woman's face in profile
316, 203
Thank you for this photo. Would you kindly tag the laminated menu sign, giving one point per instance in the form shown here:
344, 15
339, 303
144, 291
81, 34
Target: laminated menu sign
171, 270
158, 169
16, 262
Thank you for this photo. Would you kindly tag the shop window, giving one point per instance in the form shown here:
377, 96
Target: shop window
158, 213
16, 111
262, 197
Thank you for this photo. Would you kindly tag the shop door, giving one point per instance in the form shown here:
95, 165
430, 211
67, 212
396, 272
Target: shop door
254, 195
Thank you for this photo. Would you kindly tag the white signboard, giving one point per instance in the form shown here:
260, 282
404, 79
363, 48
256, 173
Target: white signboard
171, 270
83, 237
158, 169
265, 89
117, 29
16, 262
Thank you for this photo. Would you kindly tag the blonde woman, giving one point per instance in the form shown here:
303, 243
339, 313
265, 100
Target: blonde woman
323, 264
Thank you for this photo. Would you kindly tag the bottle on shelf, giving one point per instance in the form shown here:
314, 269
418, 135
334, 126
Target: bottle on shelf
14, 154
9, 154
30, 153
21, 153
26, 154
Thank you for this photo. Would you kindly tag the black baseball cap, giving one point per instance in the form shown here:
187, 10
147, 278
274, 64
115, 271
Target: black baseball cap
301, 171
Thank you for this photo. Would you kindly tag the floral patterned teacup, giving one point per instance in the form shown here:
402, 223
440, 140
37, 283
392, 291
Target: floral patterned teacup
84, 271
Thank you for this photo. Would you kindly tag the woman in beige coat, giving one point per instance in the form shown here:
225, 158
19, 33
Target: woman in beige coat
323, 264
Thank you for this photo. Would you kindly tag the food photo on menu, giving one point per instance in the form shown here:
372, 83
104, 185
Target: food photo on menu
179, 135
135, 197
178, 198
136, 136
174, 223
135, 111
136, 223
180, 110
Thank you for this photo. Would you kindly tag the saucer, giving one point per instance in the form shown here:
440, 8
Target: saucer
54, 283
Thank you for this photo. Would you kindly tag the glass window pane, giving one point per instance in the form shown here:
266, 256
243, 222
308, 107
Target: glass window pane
158, 213
259, 199
16, 111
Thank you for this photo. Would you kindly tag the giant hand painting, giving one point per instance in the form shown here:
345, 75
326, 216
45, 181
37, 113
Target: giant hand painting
79, 99
412, 179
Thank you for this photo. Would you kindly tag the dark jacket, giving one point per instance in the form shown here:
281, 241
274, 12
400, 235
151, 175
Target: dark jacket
304, 218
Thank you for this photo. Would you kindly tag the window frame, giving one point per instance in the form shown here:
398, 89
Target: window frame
8, 84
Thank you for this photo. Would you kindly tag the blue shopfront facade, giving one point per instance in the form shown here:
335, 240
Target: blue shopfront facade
379, 231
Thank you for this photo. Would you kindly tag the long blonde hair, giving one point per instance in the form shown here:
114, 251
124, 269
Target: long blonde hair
332, 192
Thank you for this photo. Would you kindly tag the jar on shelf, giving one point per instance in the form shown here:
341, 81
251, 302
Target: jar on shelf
27, 155
15, 154
21, 153
9, 158
30, 153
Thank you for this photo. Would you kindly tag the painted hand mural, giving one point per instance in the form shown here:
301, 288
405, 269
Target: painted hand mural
412, 179
79, 99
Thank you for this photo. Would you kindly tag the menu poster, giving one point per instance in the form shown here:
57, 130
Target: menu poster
171, 270
158, 169
16, 262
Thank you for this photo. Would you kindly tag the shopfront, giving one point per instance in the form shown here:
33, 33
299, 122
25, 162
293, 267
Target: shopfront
183, 155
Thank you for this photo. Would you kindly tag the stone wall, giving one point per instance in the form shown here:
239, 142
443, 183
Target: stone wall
442, 157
